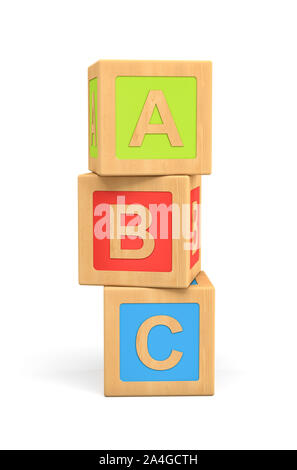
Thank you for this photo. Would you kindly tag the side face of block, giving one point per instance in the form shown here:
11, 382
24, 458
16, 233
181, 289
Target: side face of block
139, 231
159, 341
150, 117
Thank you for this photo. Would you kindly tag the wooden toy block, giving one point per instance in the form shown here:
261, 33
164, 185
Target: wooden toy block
159, 341
150, 117
139, 231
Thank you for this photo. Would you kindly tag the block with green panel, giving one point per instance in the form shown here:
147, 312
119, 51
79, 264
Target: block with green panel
150, 117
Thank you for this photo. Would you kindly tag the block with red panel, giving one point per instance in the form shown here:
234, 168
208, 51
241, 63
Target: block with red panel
139, 231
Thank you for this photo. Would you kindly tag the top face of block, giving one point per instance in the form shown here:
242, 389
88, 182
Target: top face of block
150, 117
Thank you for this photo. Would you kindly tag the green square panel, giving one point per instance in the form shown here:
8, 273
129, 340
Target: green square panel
180, 94
93, 118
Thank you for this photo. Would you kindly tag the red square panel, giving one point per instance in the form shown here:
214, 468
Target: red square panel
160, 259
195, 228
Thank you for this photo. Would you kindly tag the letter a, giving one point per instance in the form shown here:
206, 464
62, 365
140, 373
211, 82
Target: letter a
156, 98
93, 123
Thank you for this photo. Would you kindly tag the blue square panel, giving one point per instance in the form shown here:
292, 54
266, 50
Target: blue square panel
159, 342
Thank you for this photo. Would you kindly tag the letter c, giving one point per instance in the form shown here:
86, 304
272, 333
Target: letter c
141, 342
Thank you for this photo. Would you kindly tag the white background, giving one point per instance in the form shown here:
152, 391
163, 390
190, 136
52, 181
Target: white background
51, 329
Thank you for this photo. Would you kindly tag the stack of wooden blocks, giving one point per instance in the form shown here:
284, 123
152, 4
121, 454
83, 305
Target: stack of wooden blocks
139, 224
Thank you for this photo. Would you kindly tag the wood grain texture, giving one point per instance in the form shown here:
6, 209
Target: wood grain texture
204, 295
180, 276
107, 164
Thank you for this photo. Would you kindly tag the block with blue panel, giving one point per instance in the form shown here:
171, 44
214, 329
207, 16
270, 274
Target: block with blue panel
159, 341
